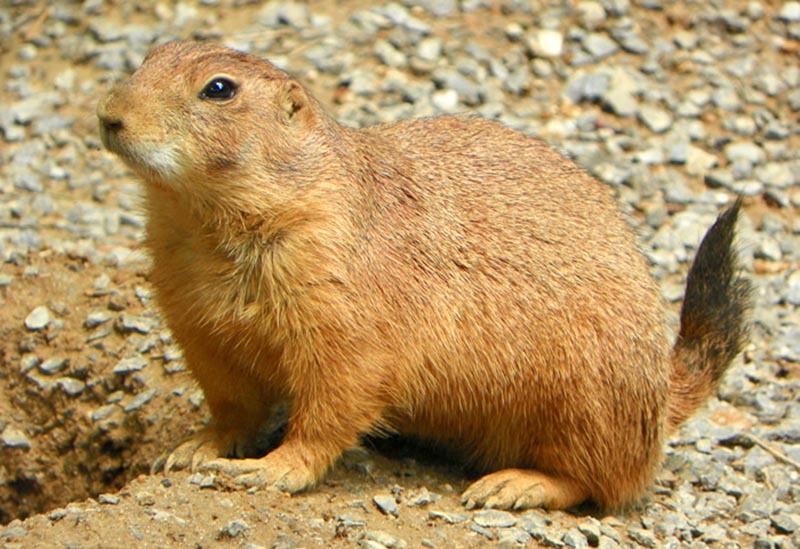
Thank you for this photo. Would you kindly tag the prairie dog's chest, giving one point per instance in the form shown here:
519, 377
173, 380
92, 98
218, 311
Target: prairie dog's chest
198, 279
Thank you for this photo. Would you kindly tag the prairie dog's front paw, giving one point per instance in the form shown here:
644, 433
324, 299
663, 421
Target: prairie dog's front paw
283, 468
193, 453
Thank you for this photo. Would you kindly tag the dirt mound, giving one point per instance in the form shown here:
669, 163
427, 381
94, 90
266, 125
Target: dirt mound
92, 388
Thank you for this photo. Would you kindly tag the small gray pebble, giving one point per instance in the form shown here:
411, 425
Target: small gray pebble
793, 288
173, 353
513, 537
631, 42
610, 532
620, 102
438, 8
449, 518
51, 123
136, 533
607, 543
104, 32
748, 187
53, 365
28, 362
591, 530
491, 518
14, 438
686, 40
655, 118
108, 499
14, 532
104, 412
196, 398
351, 520
591, 14
777, 130
642, 537
468, 91
768, 248
726, 99
574, 538
371, 544
38, 319
757, 504
101, 283
552, 538
586, 86
699, 162
140, 324
421, 497
195, 478
208, 481
99, 333
713, 534
786, 523
389, 55
794, 99
57, 514
668, 523
140, 400
233, 529
777, 174
278, 14
599, 45
387, 505
96, 318
145, 499
745, 151
481, 530
384, 539
429, 49
71, 386
130, 364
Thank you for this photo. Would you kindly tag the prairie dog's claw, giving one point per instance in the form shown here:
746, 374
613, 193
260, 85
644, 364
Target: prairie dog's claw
191, 454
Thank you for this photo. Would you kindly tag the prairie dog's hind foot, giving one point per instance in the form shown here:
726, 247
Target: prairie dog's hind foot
523, 489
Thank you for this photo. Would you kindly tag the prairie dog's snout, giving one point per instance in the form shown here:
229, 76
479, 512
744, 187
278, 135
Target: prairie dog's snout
110, 122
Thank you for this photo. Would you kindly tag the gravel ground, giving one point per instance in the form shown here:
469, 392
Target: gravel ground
677, 106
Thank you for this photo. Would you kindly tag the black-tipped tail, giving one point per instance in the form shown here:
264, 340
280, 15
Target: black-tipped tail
714, 326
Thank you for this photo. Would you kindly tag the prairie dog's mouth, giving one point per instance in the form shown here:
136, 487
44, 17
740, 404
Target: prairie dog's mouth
161, 160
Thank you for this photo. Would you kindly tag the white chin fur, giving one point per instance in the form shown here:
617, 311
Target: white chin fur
162, 160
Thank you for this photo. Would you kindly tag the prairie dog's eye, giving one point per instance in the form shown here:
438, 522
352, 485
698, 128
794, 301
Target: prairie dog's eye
219, 88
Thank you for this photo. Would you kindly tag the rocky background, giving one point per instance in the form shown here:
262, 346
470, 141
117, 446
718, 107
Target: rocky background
677, 106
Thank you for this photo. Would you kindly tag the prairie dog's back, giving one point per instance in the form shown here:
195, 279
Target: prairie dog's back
478, 196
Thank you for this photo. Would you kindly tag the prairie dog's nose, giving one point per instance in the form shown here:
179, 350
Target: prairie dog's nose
109, 120
111, 124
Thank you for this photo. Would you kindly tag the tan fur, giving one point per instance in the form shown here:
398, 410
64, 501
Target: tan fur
448, 278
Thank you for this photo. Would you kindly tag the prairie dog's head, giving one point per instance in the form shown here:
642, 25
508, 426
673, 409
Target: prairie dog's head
198, 114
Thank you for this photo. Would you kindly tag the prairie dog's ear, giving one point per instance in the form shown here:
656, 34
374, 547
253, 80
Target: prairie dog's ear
294, 102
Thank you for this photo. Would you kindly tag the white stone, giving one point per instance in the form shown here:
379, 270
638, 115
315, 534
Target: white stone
546, 43
445, 100
38, 319
790, 11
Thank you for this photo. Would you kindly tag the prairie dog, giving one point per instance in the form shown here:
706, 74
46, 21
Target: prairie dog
447, 278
